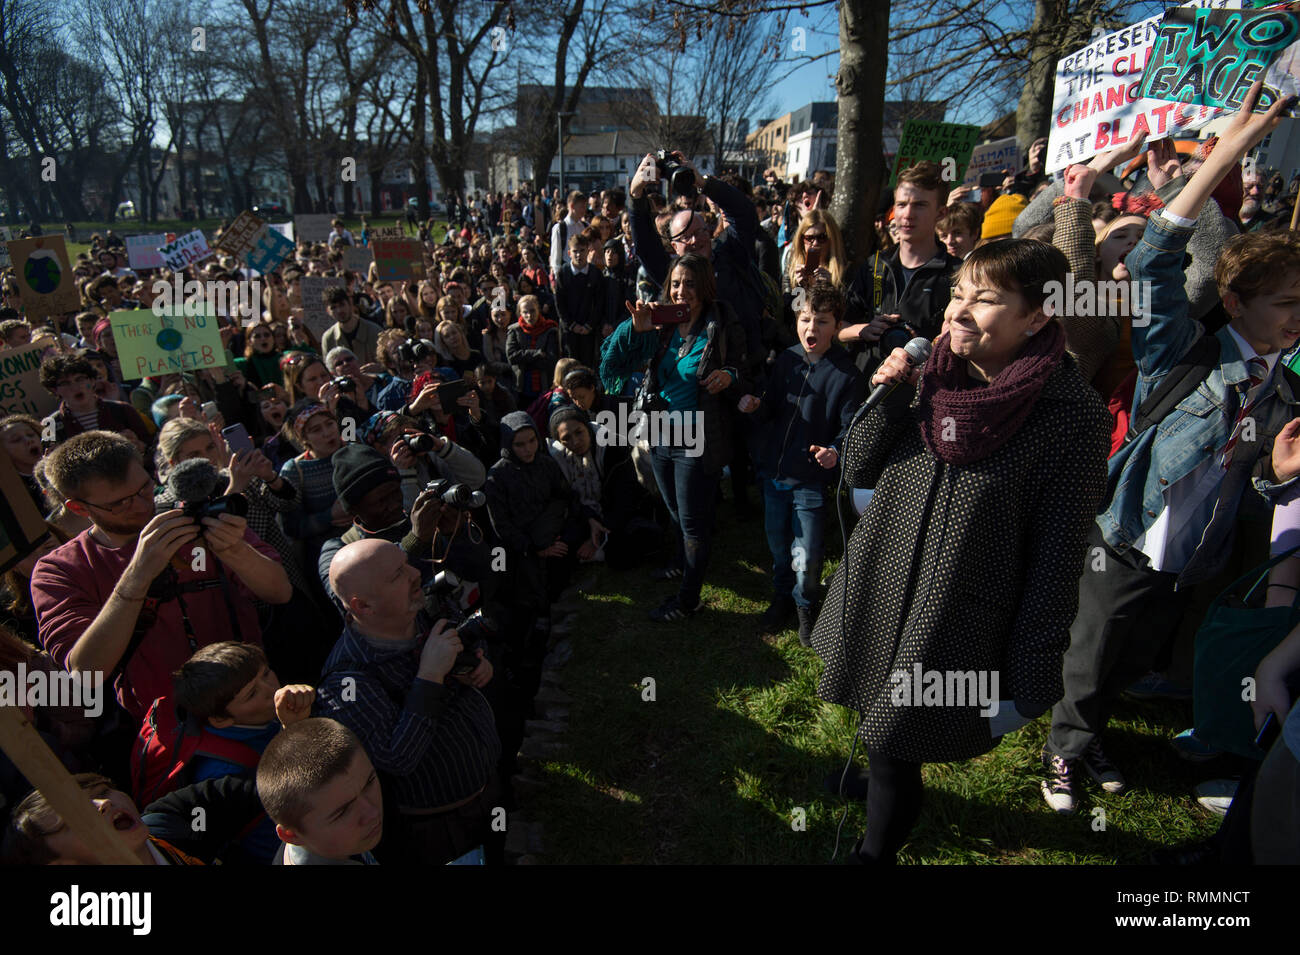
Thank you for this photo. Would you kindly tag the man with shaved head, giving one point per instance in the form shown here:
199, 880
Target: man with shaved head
400, 682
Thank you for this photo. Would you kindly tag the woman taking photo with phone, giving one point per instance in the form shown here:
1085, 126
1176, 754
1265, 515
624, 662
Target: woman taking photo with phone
692, 368
987, 478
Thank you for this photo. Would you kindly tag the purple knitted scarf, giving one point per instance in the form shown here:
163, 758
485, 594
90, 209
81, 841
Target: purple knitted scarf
962, 421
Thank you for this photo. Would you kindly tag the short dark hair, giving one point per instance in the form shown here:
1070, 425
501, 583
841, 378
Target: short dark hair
207, 682
581, 378
57, 367
335, 294
92, 454
926, 175
1027, 266
824, 297
967, 216
300, 760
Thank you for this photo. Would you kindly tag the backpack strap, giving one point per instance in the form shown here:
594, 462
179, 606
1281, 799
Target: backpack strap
227, 750
1195, 366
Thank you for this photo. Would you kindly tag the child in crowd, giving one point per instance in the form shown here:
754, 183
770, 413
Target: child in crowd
812, 392
323, 794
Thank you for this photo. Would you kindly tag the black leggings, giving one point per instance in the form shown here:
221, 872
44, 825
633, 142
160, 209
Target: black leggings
893, 806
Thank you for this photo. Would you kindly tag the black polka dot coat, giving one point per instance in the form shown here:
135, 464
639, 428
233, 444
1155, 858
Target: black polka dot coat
962, 567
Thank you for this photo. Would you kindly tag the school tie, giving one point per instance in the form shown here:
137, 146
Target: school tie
1258, 370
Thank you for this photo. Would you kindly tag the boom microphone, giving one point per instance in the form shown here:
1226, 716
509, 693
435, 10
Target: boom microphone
193, 481
918, 353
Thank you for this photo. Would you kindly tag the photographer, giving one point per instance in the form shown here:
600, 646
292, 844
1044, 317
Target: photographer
360, 393
421, 457
401, 682
114, 600
456, 414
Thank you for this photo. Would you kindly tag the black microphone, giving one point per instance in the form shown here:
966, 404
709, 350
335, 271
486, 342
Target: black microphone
193, 481
918, 352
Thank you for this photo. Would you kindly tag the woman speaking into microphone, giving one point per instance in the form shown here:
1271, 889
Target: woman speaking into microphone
945, 624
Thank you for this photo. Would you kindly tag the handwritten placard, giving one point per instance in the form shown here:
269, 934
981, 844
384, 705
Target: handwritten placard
314, 313
187, 338
314, 228
21, 391
924, 140
239, 239
993, 157
397, 259
45, 281
270, 249
142, 250
185, 250
357, 259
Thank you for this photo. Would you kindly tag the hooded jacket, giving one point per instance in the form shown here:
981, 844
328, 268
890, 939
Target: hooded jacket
531, 503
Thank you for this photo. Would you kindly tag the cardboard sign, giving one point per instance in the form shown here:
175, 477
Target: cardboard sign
993, 157
284, 228
142, 251
21, 522
20, 381
1097, 104
44, 275
185, 250
924, 140
314, 313
357, 260
387, 232
242, 235
5, 236
269, 250
397, 259
312, 228
176, 341
1211, 57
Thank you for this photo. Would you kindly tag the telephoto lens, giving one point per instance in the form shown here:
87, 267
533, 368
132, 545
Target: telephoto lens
418, 443
462, 498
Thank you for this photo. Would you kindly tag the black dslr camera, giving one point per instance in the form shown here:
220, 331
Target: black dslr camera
214, 506
418, 443
458, 496
414, 351
345, 383
681, 181
471, 631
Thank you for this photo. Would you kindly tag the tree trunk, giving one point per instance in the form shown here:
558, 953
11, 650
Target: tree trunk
1034, 112
860, 166
420, 146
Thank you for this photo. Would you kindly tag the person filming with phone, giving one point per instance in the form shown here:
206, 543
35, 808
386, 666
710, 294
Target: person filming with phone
694, 365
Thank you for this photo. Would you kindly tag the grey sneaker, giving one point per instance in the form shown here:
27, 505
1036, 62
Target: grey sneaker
1061, 787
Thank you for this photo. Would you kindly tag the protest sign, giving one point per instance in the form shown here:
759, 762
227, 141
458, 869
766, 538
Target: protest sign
45, 281
1097, 105
142, 251
242, 235
21, 391
185, 250
924, 140
284, 228
1211, 57
269, 250
5, 236
387, 232
993, 157
357, 260
185, 338
314, 313
312, 228
399, 259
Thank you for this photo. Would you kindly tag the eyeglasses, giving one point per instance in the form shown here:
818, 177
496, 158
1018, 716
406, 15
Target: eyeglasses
814, 236
122, 504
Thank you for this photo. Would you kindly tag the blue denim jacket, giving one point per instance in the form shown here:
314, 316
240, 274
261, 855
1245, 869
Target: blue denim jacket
1162, 455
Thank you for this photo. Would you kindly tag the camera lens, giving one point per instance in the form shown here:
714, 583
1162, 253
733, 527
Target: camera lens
418, 443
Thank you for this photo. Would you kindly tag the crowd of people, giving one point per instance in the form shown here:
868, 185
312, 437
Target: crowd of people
320, 579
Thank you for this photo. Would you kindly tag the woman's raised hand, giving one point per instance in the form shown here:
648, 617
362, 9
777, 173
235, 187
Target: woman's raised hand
896, 370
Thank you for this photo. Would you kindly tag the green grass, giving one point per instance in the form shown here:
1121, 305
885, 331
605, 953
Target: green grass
713, 769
